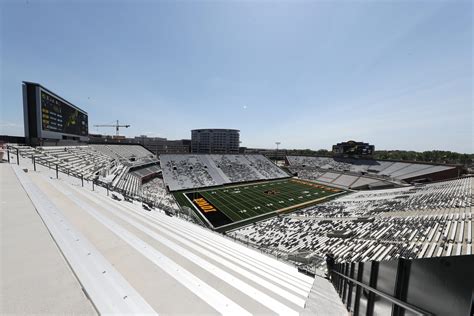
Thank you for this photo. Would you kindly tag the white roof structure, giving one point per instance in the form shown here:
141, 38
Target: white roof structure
73, 250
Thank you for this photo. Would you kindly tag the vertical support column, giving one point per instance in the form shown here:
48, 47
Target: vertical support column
82, 180
360, 272
351, 285
374, 274
17, 156
401, 285
107, 190
57, 172
344, 291
34, 163
337, 267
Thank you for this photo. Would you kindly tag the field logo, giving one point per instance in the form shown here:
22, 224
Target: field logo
271, 192
204, 205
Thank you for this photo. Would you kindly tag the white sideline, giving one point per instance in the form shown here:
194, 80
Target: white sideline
208, 294
108, 290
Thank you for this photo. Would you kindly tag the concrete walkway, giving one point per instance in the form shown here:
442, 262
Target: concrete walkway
35, 278
324, 300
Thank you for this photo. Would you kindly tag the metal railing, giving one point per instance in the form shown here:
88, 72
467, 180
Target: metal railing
344, 281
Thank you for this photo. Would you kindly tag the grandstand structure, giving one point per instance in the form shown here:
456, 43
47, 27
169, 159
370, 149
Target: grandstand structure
182, 172
366, 174
97, 245
125, 153
122, 168
113, 229
216, 272
422, 221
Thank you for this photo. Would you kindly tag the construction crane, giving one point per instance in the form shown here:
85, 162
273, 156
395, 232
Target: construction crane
117, 127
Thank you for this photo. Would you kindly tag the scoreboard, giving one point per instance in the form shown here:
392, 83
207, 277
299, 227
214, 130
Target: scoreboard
50, 117
353, 149
57, 116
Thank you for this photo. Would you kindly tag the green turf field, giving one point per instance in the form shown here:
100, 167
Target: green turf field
225, 205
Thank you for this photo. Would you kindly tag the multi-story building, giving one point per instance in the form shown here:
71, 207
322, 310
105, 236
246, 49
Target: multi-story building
215, 141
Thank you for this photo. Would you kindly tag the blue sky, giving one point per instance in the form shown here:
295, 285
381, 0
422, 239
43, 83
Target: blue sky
308, 74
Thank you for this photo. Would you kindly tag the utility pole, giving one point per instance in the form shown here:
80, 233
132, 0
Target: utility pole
276, 154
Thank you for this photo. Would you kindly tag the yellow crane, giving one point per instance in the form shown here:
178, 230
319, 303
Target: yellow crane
117, 126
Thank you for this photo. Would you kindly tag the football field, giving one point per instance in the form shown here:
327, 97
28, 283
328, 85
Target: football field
249, 202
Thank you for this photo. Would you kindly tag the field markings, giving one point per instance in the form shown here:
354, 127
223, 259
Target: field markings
250, 196
195, 207
237, 201
286, 191
215, 200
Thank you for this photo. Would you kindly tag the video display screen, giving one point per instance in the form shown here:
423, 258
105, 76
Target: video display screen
57, 116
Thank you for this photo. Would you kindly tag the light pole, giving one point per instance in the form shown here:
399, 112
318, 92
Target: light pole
276, 154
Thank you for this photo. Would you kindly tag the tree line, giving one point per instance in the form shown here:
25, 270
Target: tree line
434, 156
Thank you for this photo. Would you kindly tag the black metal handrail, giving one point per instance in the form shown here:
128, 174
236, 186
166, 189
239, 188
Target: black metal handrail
402, 304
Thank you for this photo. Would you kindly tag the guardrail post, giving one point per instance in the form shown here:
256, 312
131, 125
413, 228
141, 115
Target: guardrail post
374, 274
344, 288
92, 185
34, 163
340, 282
82, 180
57, 172
17, 157
401, 285
8, 153
351, 285
107, 190
360, 272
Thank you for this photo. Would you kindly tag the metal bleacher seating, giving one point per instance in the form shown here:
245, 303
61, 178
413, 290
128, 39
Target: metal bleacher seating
195, 171
413, 222
368, 172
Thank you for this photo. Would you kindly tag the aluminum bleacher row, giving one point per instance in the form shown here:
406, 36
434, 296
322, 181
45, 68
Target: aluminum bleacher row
98, 163
414, 222
183, 268
388, 169
195, 171
124, 151
75, 159
342, 179
155, 190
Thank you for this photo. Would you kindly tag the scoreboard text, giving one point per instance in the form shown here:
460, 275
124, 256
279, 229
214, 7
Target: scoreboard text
57, 116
